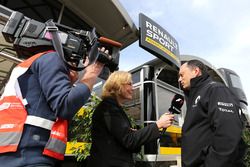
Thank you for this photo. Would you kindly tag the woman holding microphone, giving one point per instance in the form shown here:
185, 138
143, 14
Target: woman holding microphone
113, 139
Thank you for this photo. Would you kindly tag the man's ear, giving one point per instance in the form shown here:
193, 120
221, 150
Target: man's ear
197, 72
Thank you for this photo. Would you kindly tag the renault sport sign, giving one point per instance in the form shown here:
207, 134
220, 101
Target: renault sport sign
158, 41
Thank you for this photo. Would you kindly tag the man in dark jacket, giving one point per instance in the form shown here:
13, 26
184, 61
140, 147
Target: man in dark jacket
212, 129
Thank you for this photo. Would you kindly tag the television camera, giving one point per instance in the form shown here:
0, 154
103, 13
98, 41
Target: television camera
73, 45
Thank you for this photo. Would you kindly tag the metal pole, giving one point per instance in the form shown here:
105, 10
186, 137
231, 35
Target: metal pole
10, 58
61, 14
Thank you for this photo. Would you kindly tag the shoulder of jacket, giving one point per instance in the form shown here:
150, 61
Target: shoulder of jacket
108, 106
49, 56
221, 86
214, 84
49, 60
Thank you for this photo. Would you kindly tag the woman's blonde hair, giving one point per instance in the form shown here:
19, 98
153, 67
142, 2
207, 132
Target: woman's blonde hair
114, 83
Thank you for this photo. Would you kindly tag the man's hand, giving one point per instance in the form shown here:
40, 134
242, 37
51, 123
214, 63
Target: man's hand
91, 74
165, 120
73, 75
92, 71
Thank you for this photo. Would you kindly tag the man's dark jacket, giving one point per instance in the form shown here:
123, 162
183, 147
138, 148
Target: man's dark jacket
212, 128
113, 140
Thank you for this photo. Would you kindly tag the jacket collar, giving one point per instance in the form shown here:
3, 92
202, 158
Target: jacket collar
197, 82
112, 100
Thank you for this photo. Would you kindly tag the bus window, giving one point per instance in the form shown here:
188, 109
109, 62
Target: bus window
168, 139
133, 107
165, 97
169, 76
165, 94
235, 80
136, 77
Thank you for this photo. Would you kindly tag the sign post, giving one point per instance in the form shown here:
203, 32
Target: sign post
158, 41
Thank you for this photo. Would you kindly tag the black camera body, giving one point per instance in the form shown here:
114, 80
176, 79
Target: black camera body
30, 37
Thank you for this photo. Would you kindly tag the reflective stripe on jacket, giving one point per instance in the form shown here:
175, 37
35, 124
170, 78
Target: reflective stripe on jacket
13, 116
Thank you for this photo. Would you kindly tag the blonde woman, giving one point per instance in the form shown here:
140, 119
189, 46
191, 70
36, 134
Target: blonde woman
113, 139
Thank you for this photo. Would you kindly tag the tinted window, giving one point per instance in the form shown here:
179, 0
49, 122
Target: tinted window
235, 81
169, 76
136, 77
133, 107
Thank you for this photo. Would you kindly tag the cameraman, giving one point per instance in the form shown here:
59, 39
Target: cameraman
39, 134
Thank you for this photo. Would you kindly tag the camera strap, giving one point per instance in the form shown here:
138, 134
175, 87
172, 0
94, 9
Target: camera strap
53, 29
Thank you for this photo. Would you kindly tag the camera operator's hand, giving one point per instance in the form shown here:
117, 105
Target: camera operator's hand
73, 75
106, 52
165, 120
91, 73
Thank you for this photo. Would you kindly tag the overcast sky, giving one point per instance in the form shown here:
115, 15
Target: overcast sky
215, 30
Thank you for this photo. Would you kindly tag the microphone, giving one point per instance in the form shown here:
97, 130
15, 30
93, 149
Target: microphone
175, 107
176, 104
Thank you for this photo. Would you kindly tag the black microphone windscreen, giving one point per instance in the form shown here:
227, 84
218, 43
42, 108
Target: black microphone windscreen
176, 104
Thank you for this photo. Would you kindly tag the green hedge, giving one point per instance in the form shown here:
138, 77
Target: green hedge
246, 137
81, 128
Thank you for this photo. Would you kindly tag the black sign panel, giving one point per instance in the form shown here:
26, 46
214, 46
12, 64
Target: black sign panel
158, 41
